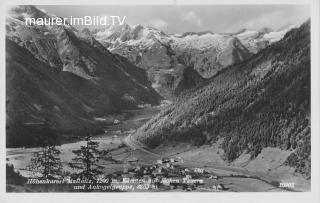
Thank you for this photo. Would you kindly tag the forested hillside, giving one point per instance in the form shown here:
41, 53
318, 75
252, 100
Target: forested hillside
64, 78
261, 102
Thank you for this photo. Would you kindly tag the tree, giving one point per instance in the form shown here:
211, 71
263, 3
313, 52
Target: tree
46, 162
86, 160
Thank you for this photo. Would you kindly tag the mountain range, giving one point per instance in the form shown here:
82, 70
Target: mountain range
261, 102
250, 89
163, 55
63, 77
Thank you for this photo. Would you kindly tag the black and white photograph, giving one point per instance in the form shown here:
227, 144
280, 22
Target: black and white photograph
125, 98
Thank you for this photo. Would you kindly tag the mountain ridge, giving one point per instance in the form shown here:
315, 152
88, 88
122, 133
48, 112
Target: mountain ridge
55, 62
263, 101
207, 52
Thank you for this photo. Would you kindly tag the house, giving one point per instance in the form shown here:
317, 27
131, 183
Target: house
131, 173
165, 160
213, 177
166, 183
174, 172
160, 169
133, 160
152, 167
190, 187
168, 165
157, 173
116, 121
159, 161
137, 169
125, 170
172, 160
180, 159
214, 187
218, 187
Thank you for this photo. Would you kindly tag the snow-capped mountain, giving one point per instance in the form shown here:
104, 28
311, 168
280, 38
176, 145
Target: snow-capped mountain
51, 44
262, 102
255, 40
64, 77
162, 55
206, 52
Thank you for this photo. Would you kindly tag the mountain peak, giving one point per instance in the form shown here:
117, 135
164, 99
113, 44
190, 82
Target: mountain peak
137, 26
27, 11
196, 33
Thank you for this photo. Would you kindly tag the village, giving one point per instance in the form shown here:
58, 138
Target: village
129, 167
167, 174
161, 173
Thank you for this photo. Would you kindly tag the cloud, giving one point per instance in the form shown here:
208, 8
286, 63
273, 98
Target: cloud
267, 19
274, 20
191, 17
158, 23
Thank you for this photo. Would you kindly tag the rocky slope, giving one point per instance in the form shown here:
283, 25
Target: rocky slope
161, 54
261, 102
254, 40
64, 78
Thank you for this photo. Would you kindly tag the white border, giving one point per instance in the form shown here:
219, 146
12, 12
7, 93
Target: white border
305, 197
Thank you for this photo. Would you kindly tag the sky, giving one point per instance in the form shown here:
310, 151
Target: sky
177, 19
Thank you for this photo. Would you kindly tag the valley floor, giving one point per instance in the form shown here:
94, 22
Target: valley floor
262, 174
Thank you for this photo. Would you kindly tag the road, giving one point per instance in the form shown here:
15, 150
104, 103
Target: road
135, 145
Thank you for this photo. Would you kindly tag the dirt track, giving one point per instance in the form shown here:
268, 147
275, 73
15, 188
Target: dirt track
249, 181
